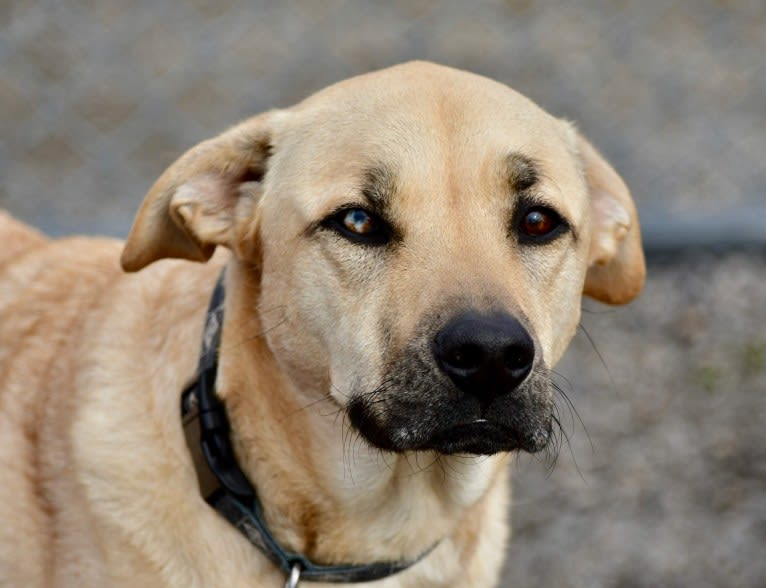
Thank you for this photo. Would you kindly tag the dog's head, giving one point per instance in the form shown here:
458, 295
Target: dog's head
426, 235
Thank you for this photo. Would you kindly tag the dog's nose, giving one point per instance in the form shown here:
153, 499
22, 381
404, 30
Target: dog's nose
484, 355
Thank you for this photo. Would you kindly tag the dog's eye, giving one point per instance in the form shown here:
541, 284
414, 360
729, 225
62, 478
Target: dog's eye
358, 221
359, 226
540, 224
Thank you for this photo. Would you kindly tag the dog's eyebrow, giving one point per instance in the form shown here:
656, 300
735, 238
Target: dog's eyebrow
378, 188
521, 172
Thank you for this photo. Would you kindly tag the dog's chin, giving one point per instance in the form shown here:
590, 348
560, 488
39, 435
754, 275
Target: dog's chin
477, 437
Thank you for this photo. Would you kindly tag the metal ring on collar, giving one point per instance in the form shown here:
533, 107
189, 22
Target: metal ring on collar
295, 576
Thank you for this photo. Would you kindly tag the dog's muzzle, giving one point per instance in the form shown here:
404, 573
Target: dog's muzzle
474, 387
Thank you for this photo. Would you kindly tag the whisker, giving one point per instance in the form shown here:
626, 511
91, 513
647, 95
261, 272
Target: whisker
262, 333
572, 453
563, 377
313, 403
574, 410
598, 353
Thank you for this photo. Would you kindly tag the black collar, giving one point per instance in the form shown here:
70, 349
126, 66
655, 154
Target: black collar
226, 488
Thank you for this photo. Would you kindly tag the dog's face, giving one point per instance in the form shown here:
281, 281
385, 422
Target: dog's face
423, 237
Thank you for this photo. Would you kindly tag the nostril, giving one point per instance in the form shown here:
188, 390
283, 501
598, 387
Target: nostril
518, 358
464, 358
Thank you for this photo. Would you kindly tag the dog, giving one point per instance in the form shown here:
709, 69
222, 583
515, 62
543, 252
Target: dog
405, 254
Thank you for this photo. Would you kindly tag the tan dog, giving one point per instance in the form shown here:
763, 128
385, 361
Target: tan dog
406, 254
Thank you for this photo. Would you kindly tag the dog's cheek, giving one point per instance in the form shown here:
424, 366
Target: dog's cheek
555, 311
321, 327
355, 353
299, 355
291, 316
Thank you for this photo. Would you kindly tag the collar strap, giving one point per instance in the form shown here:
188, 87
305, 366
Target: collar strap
224, 485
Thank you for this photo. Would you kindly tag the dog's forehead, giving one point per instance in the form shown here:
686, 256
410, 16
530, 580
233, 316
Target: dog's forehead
425, 105
422, 123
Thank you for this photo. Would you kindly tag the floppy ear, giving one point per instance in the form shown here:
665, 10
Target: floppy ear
203, 199
616, 268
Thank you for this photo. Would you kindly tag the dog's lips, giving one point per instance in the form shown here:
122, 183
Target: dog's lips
484, 437
477, 436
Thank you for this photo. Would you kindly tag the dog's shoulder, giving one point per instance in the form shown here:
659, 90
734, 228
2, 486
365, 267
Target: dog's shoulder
46, 285
18, 239
47, 288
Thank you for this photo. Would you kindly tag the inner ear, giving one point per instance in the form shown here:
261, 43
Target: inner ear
205, 199
616, 269
209, 208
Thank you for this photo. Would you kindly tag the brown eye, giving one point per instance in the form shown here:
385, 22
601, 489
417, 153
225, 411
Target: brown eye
540, 224
537, 222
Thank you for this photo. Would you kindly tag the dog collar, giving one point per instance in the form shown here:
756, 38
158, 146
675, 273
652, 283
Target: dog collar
224, 485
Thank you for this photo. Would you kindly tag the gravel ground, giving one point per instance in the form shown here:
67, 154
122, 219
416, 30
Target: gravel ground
98, 97
670, 490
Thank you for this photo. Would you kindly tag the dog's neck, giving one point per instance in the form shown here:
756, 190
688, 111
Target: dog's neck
324, 491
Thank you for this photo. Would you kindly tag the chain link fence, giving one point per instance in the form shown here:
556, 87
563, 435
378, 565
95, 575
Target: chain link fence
97, 97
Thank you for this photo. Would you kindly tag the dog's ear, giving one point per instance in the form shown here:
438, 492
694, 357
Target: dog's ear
616, 268
203, 199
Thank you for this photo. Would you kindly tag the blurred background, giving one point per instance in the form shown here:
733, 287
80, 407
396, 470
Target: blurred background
663, 481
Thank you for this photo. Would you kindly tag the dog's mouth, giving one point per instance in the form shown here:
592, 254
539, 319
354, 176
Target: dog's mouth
483, 437
454, 429
478, 386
